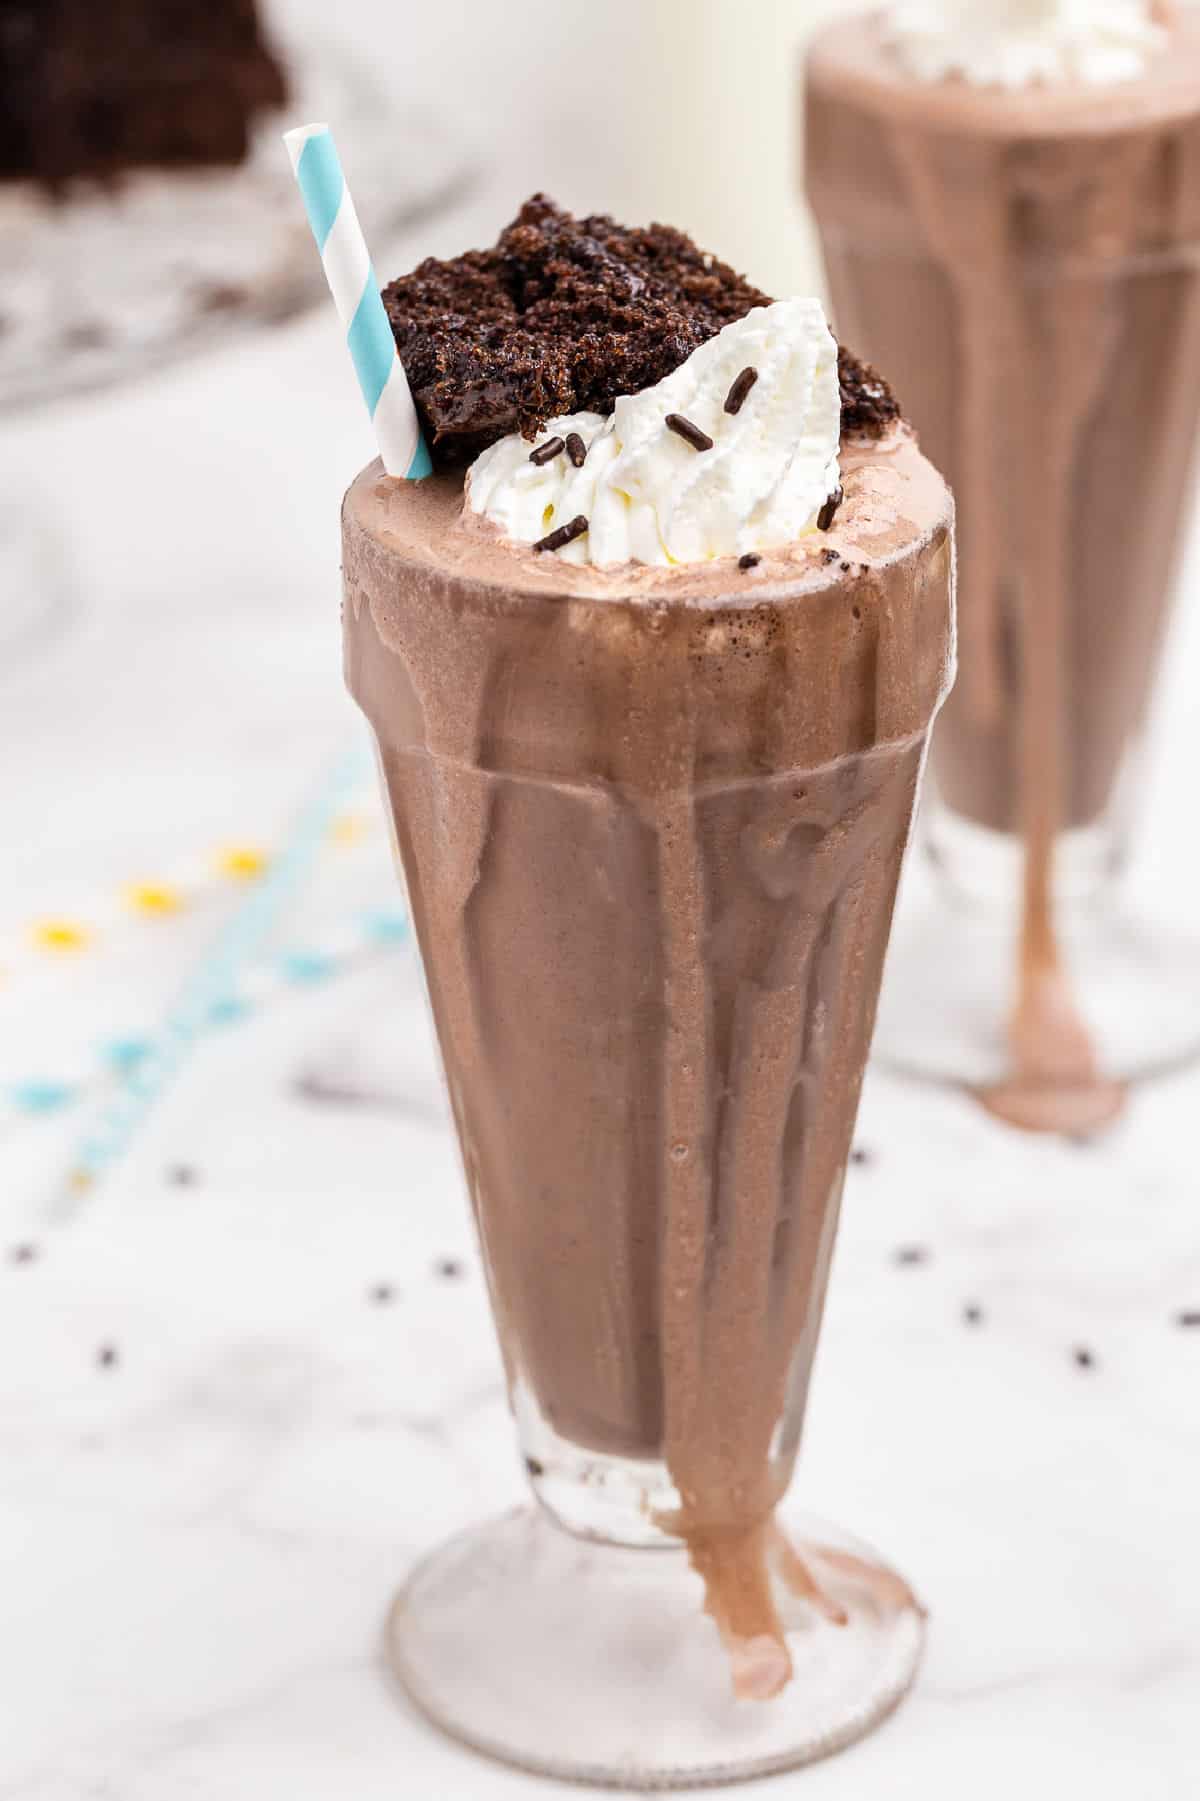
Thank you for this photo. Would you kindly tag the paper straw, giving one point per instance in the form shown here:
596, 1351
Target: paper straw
214, 981
355, 290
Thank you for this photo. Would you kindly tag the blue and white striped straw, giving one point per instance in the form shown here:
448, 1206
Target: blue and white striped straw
355, 291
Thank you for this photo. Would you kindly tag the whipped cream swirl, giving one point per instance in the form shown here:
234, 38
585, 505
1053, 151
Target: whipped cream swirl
648, 495
1026, 43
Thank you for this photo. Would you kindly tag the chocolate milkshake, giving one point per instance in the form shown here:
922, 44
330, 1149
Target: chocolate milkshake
651, 694
1010, 213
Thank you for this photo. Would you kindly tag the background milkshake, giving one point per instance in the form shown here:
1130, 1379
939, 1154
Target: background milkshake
651, 728
1010, 213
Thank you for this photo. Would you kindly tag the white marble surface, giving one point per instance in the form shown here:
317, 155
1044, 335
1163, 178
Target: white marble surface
198, 1541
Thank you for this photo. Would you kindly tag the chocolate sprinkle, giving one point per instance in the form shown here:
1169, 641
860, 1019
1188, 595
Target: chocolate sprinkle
735, 400
106, 1356
973, 1314
24, 1253
221, 297
449, 1268
546, 453
831, 556
535, 1467
382, 1294
576, 449
182, 1175
861, 1155
566, 534
1085, 1359
683, 428
911, 1256
751, 560
829, 511
1189, 1319
85, 334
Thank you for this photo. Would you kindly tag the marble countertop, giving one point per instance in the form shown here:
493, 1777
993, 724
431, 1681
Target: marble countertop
253, 1377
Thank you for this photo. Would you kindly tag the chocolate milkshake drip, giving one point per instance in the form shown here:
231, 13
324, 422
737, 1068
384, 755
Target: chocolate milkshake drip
1026, 268
1071, 338
749, 1223
654, 935
1033, 363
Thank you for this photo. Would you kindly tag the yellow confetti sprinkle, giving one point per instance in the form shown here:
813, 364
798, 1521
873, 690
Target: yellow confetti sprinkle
242, 862
60, 935
350, 829
80, 1180
154, 897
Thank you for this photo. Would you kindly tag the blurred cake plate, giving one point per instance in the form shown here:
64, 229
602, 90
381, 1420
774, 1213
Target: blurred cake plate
115, 281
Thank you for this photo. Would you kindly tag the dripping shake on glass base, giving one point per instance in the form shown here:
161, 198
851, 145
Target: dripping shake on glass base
651, 819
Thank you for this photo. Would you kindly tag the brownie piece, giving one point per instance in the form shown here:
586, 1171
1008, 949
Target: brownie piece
869, 407
562, 316
91, 90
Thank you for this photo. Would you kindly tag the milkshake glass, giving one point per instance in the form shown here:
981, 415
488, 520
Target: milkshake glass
651, 822
1025, 262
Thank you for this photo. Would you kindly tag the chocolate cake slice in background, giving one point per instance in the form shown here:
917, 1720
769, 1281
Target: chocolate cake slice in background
95, 90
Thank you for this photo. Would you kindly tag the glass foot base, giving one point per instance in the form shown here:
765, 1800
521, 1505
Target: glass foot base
950, 985
597, 1664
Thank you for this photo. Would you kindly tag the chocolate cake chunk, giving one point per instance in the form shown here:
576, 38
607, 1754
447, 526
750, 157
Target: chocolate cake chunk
94, 91
868, 405
562, 316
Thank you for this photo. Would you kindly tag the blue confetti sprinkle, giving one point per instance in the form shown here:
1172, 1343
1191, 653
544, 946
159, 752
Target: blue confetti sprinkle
43, 1097
306, 966
228, 1010
125, 1054
386, 928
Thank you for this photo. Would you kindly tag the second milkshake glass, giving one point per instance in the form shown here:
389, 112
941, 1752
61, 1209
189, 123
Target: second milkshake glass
1026, 266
